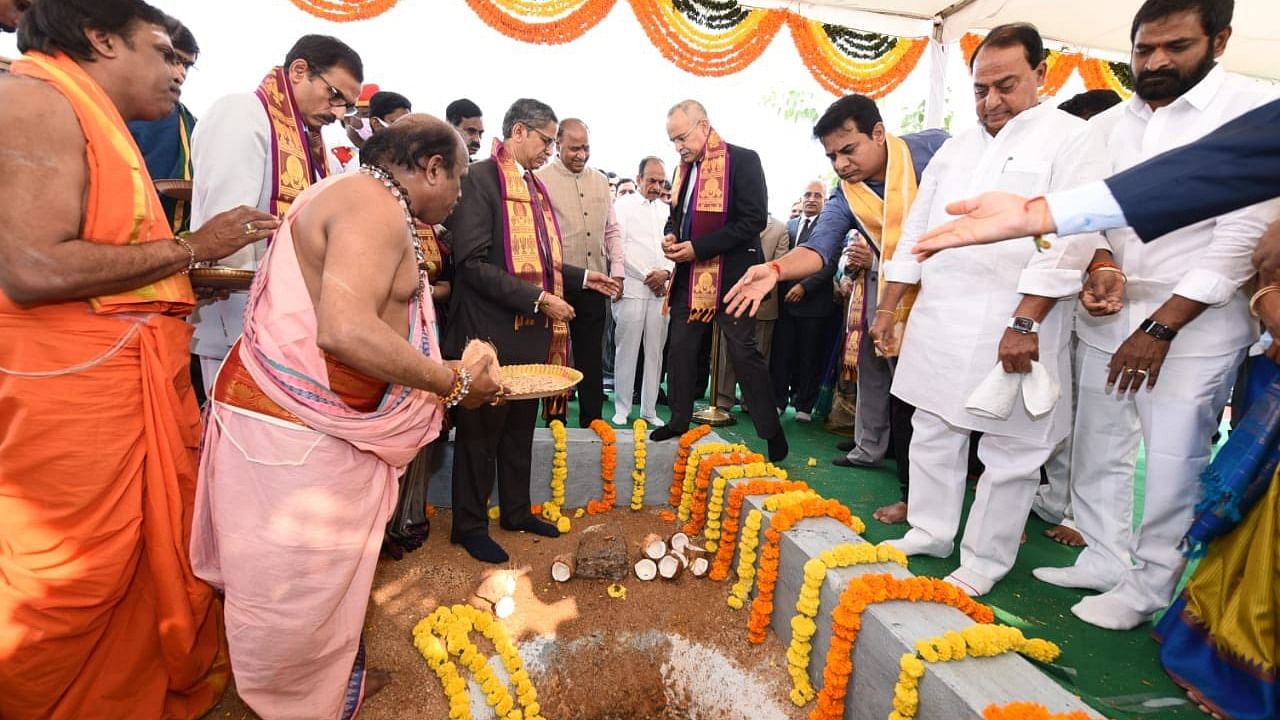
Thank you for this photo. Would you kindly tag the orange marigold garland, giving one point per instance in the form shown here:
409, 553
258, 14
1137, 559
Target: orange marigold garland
689, 486
1030, 711
767, 577
720, 489
876, 76
702, 50
733, 511
750, 541
345, 10
846, 622
686, 443
608, 468
546, 22
707, 465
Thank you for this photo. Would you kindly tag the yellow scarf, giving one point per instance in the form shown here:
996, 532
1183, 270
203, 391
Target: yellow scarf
882, 219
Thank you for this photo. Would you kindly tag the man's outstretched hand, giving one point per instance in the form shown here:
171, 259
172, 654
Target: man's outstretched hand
750, 290
990, 217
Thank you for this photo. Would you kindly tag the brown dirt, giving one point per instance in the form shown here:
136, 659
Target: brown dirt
596, 669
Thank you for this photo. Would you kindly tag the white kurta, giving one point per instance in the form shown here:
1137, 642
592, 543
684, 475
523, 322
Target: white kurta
230, 152
967, 295
638, 314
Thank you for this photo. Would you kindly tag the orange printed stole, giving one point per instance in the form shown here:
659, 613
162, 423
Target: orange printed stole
533, 250
293, 156
710, 213
432, 254
121, 206
882, 219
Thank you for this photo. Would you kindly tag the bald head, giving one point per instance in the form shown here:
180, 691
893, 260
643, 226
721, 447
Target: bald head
691, 109
413, 140
574, 142
813, 199
573, 124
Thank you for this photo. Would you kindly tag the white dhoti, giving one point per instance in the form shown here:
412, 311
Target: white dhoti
1176, 420
636, 319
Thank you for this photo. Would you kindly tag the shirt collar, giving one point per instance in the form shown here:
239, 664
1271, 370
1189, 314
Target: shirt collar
1023, 117
1199, 97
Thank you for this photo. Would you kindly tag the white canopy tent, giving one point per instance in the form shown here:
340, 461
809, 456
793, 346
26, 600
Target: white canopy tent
1098, 28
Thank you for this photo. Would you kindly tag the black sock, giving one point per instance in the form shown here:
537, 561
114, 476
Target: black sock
483, 548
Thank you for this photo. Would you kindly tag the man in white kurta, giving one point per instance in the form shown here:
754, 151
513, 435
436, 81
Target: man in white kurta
232, 155
638, 315
959, 329
1189, 284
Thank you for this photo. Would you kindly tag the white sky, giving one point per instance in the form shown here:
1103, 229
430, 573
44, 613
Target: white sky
434, 51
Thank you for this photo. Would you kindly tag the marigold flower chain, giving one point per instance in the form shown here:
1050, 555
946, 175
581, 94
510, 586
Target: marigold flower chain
846, 622
686, 443
719, 488
445, 632
552, 511
707, 465
1031, 711
786, 516
973, 641
639, 431
803, 626
729, 532
747, 559
608, 468
689, 487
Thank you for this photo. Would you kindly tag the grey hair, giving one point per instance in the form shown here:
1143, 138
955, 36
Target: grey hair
692, 109
528, 112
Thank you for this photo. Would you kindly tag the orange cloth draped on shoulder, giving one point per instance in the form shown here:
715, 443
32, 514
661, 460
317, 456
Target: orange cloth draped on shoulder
100, 614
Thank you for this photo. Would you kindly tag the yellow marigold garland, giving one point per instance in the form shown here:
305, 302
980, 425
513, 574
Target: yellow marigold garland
973, 641
445, 632
733, 511
846, 623
547, 22
803, 625
1031, 711
785, 518
608, 468
686, 443
640, 432
707, 465
700, 51
747, 554
842, 75
689, 483
553, 511
720, 490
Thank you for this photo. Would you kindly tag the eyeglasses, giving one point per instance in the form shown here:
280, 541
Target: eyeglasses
682, 137
336, 98
548, 142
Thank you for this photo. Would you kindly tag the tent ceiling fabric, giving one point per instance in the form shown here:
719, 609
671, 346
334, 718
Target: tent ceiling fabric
1094, 27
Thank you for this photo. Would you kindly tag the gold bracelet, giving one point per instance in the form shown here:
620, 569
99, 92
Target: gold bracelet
1107, 268
182, 240
1253, 301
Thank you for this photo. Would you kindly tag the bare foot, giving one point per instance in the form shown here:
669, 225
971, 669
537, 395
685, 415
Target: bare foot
1023, 541
1065, 535
374, 681
891, 514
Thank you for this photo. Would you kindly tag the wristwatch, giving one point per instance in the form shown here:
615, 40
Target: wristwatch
1023, 325
1158, 331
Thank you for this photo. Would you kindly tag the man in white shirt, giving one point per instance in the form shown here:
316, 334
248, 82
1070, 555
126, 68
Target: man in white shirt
638, 315
1163, 328
981, 313
262, 149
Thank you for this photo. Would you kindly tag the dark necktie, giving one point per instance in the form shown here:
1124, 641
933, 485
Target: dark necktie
804, 232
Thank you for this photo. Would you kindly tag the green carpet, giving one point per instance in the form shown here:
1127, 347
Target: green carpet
1118, 673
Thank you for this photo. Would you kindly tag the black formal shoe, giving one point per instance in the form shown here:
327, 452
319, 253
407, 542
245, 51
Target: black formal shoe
535, 526
665, 433
778, 447
482, 547
846, 445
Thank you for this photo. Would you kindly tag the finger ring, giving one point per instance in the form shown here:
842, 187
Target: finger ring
248, 228
1129, 371
1141, 372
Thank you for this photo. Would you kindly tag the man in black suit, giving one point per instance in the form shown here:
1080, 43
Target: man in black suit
720, 209
518, 312
802, 336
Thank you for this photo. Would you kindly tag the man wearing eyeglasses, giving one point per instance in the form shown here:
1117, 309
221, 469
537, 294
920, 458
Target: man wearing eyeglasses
263, 149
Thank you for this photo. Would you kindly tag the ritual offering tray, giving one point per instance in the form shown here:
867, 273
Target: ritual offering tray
221, 278
176, 189
528, 382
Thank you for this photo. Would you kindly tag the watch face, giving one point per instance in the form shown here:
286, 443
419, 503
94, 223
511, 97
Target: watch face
1022, 324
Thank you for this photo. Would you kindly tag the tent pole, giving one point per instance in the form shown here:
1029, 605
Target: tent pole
935, 104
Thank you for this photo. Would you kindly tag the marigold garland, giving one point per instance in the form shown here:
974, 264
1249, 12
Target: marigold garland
803, 625
785, 518
639, 433
720, 488
689, 484
701, 499
840, 74
608, 468
546, 22
551, 511
846, 622
446, 632
345, 10
747, 554
686, 443
973, 641
733, 510
704, 51
1031, 711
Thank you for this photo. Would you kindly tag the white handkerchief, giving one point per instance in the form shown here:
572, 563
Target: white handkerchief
995, 396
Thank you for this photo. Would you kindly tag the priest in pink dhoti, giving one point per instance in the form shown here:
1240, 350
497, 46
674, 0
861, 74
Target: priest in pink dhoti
335, 384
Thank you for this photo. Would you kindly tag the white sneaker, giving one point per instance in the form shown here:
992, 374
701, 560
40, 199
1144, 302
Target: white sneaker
803, 417
620, 420
655, 422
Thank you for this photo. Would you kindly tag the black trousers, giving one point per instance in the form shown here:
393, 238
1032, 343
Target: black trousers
492, 443
900, 440
586, 337
797, 359
684, 341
